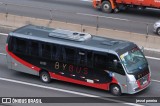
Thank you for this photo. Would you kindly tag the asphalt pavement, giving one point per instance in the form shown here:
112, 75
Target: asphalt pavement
74, 11
81, 12
12, 88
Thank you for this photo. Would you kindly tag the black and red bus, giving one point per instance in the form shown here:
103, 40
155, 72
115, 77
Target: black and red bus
76, 57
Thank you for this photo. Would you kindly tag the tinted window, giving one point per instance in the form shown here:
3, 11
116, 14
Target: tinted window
8, 38
46, 51
115, 67
89, 59
54, 50
59, 53
34, 48
100, 61
69, 55
11, 43
20, 45
81, 58
85, 58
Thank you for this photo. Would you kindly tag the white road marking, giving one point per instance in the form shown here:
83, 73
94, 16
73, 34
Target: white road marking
102, 16
155, 80
121, 19
3, 54
154, 58
150, 49
4, 34
46, 87
87, 0
67, 91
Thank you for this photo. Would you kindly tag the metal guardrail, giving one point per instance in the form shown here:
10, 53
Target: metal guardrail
95, 18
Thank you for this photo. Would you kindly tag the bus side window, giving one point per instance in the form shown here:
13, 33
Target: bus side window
46, 51
58, 54
11, 44
120, 69
100, 61
69, 55
85, 58
54, 50
20, 46
34, 48
81, 58
115, 68
90, 59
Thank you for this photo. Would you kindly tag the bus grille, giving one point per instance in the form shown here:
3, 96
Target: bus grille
144, 80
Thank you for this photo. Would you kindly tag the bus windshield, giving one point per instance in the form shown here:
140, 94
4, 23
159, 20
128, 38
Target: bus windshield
134, 60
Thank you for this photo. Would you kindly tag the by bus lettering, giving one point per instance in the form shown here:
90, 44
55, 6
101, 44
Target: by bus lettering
71, 68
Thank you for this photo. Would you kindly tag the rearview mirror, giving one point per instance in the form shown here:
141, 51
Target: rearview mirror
115, 62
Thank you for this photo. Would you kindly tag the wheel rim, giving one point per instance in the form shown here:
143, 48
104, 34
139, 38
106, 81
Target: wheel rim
106, 7
158, 32
116, 90
44, 77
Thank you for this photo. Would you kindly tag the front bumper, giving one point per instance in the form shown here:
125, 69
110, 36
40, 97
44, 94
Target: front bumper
137, 87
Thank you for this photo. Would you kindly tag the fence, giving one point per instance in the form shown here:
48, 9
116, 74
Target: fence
95, 24
81, 18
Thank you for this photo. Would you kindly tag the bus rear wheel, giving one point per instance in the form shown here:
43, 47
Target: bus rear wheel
115, 90
106, 7
45, 77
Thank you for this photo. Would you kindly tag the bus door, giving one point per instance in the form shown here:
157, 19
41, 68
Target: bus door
85, 65
69, 66
117, 72
100, 68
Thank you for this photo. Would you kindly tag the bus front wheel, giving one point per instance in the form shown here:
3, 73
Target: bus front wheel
106, 7
45, 77
115, 90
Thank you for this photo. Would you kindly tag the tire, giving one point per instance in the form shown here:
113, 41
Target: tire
115, 90
158, 31
106, 7
45, 77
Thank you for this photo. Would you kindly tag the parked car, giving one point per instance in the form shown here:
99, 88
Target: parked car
157, 27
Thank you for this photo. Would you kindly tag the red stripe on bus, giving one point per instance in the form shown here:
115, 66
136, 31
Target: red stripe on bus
104, 86
139, 85
114, 80
95, 85
22, 61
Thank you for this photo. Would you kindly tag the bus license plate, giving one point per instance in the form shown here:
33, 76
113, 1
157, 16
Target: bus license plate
145, 82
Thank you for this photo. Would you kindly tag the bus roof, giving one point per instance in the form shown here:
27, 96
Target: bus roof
73, 39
